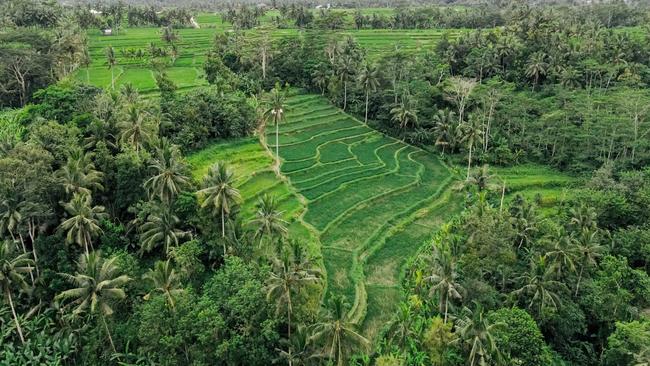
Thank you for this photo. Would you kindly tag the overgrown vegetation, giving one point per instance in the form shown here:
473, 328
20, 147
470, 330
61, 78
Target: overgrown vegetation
448, 185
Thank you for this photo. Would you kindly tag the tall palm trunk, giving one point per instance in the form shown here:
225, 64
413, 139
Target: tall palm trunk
579, 278
223, 231
22, 242
446, 310
13, 313
108, 333
345, 94
277, 141
367, 92
86, 241
289, 328
112, 78
263, 64
469, 160
31, 226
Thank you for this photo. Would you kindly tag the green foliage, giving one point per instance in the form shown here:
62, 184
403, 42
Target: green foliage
62, 102
214, 116
628, 340
250, 333
519, 340
46, 345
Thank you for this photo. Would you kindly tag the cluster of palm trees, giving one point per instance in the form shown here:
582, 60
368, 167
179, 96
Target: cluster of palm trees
243, 16
538, 48
570, 253
344, 62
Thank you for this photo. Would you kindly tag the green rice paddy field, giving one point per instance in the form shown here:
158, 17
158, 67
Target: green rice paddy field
367, 200
187, 71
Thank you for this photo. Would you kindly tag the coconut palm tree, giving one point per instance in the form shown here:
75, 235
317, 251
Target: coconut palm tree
524, 220
83, 224
264, 49
13, 267
470, 133
346, 70
137, 127
481, 179
445, 129
298, 352
562, 256
11, 205
129, 93
336, 334
478, 335
168, 35
570, 78
111, 61
79, 175
220, 194
320, 77
536, 67
405, 113
583, 217
170, 176
287, 279
538, 287
164, 279
369, 81
401, 328
275, 112
97, 284
588, 250
268, 219
15, 212
160, 228
444, 278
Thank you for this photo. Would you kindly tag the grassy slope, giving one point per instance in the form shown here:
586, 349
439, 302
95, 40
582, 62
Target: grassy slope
548, 187
254, 177
373, 199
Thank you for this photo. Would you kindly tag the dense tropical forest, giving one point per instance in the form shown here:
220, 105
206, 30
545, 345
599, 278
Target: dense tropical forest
299, 183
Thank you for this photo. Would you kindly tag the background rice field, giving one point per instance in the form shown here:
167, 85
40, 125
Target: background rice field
187, 70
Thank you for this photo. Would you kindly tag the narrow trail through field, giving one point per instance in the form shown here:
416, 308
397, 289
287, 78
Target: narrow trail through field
372, 199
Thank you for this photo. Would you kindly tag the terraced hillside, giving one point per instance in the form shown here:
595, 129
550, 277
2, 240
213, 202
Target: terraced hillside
252, 166
373, 201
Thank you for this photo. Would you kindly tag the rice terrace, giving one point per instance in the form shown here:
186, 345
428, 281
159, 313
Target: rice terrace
309, 183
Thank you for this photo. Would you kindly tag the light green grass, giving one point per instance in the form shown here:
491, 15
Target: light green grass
252, 167
546, 187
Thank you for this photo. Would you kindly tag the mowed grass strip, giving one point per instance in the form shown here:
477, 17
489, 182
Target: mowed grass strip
378, 216
309, 148
245, 156
303, 134
326, 209
339, 265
